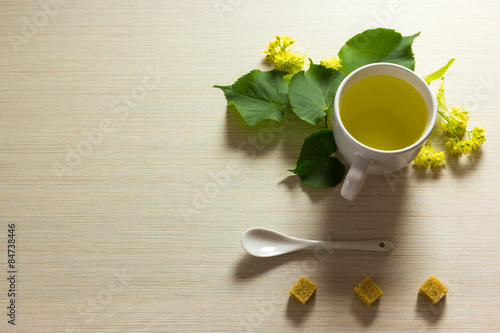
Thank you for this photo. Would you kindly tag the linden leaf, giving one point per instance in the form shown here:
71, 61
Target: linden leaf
377, 45
316, 166
312, 93
439, 73
258, 95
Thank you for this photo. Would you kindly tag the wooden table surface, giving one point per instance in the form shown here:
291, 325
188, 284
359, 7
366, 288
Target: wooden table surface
130, 182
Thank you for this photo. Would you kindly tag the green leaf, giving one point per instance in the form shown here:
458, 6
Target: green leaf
258, 95
312, 93
437, 74
377, 45
316, 166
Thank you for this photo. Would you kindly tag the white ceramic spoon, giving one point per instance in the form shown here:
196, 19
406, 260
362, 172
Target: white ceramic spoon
262, 242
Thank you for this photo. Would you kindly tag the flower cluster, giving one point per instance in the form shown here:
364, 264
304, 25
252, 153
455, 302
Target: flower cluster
458, 146
333, 63
285, 59
456, 123
454, 127
428, 156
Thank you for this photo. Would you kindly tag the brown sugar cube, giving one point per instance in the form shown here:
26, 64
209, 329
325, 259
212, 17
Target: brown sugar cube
367, 291
303, 289
433, 290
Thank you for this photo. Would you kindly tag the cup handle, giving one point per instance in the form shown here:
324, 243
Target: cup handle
355, 177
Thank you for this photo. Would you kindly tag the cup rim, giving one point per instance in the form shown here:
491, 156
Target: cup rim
422, 138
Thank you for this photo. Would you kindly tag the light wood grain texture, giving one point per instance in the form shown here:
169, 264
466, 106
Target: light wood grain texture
130, 182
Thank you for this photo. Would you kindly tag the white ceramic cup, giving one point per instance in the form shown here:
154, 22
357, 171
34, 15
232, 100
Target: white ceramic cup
363, 159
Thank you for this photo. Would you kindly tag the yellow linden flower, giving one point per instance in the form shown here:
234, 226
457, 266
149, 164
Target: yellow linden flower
333, 63
456, 123
477, 137
290, 61
457, 146
428, 156
285, 60
280, 44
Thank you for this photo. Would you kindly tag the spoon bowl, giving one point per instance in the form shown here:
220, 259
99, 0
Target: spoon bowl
262, 242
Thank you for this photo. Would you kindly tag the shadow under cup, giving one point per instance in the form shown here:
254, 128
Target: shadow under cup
364, 159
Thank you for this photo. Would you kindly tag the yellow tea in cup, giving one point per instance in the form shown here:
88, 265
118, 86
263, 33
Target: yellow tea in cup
384, 112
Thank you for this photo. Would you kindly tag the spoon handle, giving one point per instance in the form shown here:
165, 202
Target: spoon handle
365, 245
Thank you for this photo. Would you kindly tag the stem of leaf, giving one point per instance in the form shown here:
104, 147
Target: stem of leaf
344, 71
442, 114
